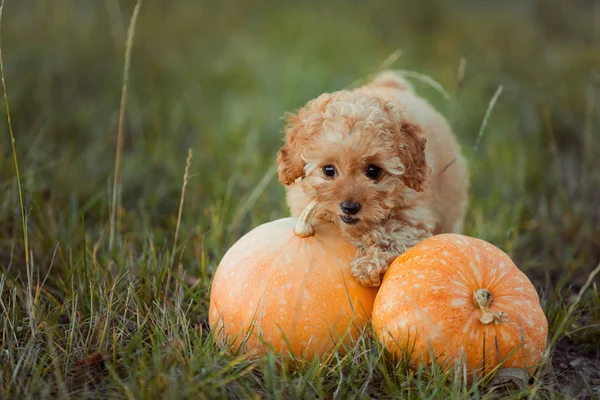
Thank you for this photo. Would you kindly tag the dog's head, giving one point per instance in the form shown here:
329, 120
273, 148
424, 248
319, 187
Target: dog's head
355, 155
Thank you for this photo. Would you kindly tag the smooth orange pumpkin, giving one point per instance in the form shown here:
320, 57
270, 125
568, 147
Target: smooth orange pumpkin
288, 286
460, 299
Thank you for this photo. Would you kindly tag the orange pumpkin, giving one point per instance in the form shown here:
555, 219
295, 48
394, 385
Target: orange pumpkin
288, 286
460, 299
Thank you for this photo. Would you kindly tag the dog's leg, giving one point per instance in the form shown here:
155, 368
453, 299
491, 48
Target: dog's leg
379, 247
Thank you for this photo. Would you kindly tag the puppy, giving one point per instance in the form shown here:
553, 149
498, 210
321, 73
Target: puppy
384, 166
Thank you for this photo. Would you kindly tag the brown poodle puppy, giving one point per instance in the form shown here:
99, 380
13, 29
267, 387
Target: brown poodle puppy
383, 165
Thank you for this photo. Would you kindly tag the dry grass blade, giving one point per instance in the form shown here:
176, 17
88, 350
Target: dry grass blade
487, 115
427, 80
387, 63
574, 304
460, 74
117, 176
254, 195
12, 141
185, 181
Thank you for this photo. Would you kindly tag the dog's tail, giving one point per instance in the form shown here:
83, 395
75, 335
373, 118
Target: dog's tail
391, 80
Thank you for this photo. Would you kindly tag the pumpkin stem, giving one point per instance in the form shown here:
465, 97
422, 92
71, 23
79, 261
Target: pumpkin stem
303, 226
483, 299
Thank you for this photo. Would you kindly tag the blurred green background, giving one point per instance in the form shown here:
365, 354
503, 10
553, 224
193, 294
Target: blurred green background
217, 76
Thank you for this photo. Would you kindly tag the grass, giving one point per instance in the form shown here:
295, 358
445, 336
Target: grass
81, 318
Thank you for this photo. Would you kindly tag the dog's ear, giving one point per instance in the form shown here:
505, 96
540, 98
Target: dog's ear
290, 165
301, 129
411, 149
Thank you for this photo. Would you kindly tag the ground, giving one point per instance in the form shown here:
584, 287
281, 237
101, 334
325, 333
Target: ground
90, 314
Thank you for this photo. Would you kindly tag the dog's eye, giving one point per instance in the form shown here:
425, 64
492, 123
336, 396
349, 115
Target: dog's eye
329, 170
373, 171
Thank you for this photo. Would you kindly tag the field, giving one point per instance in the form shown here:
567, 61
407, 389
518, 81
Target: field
94, 307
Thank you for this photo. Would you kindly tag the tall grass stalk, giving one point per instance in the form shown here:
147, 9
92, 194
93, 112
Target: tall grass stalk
12, 142
488, 114
117, 176
185, 181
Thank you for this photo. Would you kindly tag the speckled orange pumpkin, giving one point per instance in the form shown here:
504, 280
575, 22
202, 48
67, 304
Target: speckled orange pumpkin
463, 300
289, 286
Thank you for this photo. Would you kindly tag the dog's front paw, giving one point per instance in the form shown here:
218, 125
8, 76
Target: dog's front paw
368, 271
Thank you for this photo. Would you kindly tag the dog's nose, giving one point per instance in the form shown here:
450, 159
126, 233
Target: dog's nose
350, 207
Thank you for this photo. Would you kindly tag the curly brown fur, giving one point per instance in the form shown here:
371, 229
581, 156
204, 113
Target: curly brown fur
422, 189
